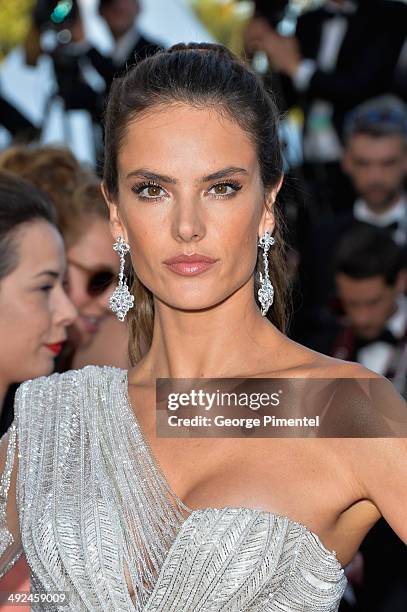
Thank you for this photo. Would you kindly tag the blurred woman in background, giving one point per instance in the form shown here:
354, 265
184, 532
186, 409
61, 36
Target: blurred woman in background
35, 311
96, 337
32, 276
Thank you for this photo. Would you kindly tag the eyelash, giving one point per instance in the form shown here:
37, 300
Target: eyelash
47, 288
235, 186
138, 189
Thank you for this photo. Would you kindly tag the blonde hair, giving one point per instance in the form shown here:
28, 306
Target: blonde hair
74, 190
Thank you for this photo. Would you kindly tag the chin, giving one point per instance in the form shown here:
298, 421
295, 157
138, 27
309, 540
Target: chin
79, 337
43, 367
180, 299
377, 202
188, 306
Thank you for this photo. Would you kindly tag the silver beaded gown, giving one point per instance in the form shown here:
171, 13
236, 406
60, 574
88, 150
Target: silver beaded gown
84, 498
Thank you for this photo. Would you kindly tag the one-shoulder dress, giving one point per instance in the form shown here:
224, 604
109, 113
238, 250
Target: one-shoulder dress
99, 524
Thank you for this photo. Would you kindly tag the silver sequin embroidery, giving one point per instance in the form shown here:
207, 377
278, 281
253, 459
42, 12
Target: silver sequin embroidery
99, 520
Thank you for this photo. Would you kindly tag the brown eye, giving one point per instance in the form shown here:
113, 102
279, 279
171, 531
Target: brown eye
221, 189
153, 191
149, 191
225, 189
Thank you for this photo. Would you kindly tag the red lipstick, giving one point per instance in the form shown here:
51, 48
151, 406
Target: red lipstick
190, 265
56, 348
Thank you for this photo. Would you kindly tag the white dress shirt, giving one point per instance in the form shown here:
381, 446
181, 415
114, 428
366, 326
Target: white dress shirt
378, 355
398, 212
321, 142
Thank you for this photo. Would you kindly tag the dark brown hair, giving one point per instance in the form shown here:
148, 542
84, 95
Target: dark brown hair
366, 251
199, 74
20, 204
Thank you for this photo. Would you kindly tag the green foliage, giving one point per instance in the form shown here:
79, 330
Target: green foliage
224, 19
14, 23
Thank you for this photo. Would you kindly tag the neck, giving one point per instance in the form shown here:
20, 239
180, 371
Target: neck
119, 35
386, 206
214, 342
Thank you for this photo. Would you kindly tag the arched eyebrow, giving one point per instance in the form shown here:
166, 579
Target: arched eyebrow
223, 174
52, 273
162, 178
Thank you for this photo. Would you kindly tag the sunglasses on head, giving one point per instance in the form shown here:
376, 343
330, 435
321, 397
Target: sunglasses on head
98, 280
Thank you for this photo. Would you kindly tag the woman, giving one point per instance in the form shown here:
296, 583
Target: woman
129, 520
95, 337
34, 309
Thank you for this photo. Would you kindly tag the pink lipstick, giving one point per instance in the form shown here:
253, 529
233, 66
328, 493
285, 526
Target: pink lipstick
190, 265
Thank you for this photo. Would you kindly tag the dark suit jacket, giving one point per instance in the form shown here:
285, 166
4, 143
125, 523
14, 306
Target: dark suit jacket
316, 316
366, 60
16, 123
77, 93
108, 70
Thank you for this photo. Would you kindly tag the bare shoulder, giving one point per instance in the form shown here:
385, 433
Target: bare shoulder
374, 465
339, 368
305, 362
377, 461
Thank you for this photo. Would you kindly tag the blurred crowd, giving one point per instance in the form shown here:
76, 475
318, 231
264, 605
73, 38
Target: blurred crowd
70, 74
339, 74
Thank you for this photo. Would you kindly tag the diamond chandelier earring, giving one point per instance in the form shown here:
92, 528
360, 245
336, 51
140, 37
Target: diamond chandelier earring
121, 300
266, 290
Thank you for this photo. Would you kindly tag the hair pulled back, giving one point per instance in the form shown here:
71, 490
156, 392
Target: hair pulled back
203, 75
20, 204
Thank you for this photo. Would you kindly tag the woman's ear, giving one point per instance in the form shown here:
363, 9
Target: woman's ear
115, 223
267, 221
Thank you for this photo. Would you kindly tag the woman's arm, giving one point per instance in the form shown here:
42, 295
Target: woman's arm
10, 538
380, 463
383, 472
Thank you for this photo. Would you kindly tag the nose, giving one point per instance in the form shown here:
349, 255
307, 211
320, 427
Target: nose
375, 173
65, 311
77, 288
103, 299
361, 319
187, 224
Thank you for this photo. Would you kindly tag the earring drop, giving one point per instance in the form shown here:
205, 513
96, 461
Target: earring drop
266, 290
121, 300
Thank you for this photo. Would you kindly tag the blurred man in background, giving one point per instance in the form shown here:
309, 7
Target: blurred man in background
121, 18
342, 54
375, 159
83, 74
371, 278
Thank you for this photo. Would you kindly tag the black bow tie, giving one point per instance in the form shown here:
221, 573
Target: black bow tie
331, 12
385, 336
390, 228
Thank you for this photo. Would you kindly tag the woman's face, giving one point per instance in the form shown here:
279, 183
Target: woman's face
189, 184
90, 258
34, 308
